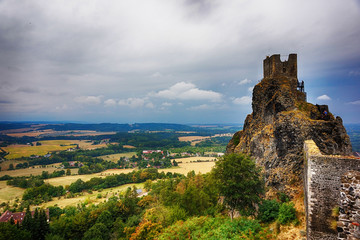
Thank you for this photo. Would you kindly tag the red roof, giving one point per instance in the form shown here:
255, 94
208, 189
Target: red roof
18, 216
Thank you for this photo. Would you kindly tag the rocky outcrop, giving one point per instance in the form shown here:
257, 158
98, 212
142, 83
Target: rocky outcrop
274, 133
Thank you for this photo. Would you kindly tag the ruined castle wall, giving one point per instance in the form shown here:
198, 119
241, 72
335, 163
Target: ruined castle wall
348, 226
273, 66
323, 175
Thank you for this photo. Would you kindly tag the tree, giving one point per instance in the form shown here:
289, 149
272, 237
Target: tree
9, 231
68, 172
239, 182
11, 167
105, 218
97, 232
28, 220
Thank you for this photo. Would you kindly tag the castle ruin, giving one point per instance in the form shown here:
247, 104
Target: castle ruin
276, 135
273, 66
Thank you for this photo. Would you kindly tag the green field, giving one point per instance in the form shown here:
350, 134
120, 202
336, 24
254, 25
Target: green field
17, 151
116, 157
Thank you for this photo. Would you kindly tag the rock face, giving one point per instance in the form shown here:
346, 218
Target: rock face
281, 121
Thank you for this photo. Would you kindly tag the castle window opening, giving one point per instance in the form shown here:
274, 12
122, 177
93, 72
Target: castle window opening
284, 70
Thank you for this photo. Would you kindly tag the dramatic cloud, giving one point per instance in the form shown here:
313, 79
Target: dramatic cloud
100, 60
324, 97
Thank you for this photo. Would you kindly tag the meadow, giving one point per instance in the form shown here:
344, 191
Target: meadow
193, 139
117, 156
86, 197
36, 170
9, 193
21, 150
18, 150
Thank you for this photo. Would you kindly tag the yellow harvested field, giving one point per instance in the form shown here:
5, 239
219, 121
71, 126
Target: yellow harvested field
34, 132
5, 164
116, 157
194, 159
8, 193
90, 198
192, 138
128, 146
184, 168
17, 150
67, 180
88, 145
78, 133
31, 133
37, 170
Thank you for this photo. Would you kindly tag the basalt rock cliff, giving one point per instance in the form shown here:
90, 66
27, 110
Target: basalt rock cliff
274, 133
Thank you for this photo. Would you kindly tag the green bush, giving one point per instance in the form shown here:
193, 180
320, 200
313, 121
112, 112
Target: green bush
268, 211
211, 228
287, 213
283, 197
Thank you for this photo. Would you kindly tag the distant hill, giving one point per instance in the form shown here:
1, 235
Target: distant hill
115, 127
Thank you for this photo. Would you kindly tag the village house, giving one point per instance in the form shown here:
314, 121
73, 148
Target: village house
19, 216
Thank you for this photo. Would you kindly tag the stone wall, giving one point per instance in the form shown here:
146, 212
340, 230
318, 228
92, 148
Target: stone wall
322, 178
348, 226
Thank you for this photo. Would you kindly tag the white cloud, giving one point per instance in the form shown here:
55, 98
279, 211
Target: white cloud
132, 102
88, 99
150, 105
245, 81
250, 89
188, 91
355, 102
167, 104
242, 101
323, 97
110, 102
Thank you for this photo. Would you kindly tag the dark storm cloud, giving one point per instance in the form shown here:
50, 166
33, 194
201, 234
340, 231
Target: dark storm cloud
107, 57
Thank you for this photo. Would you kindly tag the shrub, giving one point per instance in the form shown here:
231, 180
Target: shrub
268, 211
206, 227
287, 213
283, 197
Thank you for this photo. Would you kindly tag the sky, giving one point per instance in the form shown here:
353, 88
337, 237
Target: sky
180, 61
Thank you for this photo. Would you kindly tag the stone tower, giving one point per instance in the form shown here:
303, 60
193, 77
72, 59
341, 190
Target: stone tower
273, 66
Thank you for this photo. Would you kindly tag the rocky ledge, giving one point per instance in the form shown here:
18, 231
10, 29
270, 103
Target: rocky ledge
274, 133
